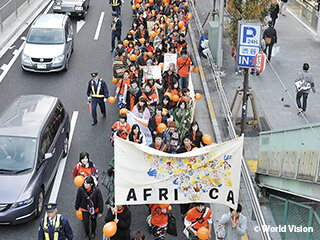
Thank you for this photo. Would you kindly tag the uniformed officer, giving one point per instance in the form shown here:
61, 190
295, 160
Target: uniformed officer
116, 6
97, 93
116, 27
54, 226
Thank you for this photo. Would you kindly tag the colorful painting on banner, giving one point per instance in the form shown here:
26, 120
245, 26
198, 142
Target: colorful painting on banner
209, 174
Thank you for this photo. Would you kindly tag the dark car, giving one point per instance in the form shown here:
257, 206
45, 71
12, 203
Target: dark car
34, 136
77, 8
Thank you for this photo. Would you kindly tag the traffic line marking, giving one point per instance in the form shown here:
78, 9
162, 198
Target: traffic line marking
6, 67
80, 25
62, 164
96, 36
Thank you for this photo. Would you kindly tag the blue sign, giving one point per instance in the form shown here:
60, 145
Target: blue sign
249, 36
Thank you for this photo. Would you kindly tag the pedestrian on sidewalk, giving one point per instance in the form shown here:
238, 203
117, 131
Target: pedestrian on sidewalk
89, 199
116, 27
53, 223
283, 6
270, 37
274, 11
97, 93
307, 77
235, 224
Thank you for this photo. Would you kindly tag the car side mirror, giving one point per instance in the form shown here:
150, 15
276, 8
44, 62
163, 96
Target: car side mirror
48, 156
23, 38
69, 39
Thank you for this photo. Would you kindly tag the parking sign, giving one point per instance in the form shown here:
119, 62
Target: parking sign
249, 36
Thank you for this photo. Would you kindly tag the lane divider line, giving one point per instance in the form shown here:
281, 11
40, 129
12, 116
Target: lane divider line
6, 67
96, 36
62, 164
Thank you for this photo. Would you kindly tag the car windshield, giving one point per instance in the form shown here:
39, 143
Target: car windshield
46, 36
17, 154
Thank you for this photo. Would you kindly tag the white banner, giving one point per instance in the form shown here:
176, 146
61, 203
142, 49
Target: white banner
143, 124
145, 175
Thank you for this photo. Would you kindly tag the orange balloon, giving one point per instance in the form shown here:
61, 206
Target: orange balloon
153, 34
165, 18
153, 13
203, 233
142, 40
169, 21
133, 57
123, 110
150, 1
140, 1
186, 4
176, 9
183, 29
132, 32
164, 111
175, 98
169, 95
79, 214
147, 5
150, 54
165, 1
110, 229
181, 24
206, 139
162, 127
133, 7
138, 6
126, 43
79, 180
111, 100
189, 16
195, 70
114, 80
161, 65
164, 205
198, 96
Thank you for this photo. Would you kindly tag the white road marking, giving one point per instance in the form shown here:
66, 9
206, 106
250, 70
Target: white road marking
96, 36
6, 67
59, 175
80, 25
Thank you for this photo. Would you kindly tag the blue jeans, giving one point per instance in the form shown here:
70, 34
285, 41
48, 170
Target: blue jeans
183, 82
115, 34
304, 101
94, 103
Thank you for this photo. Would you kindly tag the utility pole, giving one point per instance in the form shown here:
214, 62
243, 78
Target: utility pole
244, 100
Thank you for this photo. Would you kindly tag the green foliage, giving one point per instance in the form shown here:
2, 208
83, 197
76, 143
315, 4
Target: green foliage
244, 10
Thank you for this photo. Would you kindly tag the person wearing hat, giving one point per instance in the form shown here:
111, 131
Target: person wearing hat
116, 6
54, 226
270, 37
116, 27
97, 93
197, 217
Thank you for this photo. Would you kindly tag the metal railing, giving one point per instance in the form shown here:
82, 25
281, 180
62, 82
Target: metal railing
228, 117
9, 8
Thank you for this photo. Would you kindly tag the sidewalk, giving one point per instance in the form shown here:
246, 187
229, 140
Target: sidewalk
297, 46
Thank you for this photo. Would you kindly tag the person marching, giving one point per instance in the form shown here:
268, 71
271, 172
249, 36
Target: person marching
159, 220
122, 89
89, 199
97, 93
85, 167
54, 226
116, 6
116, 27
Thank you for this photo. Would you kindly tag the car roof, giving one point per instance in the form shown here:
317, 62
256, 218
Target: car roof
50, 20
25, 116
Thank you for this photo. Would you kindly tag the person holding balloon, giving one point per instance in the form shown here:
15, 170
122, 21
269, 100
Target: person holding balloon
121, 215
156, 120
85, 167
198, 217
89, 200
159, 220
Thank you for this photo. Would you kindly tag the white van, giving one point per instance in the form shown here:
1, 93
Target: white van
49, 44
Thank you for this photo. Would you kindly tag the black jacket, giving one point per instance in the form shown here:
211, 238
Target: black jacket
82, 202
123, 226
271, 33
152, 123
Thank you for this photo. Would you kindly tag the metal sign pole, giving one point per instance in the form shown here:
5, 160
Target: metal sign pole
244, 100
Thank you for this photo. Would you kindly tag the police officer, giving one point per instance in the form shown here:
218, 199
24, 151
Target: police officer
54, 226
97, 93
116, 6
116, 26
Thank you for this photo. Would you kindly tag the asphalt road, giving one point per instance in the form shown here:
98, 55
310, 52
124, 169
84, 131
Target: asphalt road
89, 55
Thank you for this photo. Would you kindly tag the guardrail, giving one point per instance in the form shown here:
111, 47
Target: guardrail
232, 133
9, 8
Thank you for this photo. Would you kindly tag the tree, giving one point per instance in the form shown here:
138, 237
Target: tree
244, 10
